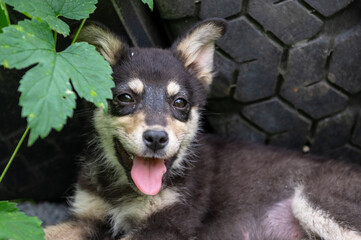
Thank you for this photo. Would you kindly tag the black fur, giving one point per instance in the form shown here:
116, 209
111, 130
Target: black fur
227, 190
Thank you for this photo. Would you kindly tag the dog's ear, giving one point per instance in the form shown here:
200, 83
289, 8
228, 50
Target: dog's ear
106, 42
196, 48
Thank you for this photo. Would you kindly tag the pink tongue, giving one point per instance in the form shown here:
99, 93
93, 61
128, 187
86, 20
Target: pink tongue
147, 174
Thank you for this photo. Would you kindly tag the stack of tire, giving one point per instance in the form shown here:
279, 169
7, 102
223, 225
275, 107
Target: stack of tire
288, 71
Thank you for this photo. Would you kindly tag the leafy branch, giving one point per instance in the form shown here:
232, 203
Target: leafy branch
14, 154
47, 96
48, 88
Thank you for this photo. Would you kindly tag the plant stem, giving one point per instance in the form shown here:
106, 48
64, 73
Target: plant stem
79, 29
4, 15
14, 153
55, 38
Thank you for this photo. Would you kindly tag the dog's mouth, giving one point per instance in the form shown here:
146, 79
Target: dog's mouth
146, 173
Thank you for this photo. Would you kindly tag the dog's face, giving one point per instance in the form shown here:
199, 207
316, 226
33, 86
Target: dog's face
153, 116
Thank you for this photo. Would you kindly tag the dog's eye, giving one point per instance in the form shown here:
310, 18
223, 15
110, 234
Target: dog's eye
125, 98
180, 103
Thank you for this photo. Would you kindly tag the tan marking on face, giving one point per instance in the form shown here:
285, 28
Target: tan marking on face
130, 123
185, 133
173, 88
179, 128
136, 85
183, 129
129, 130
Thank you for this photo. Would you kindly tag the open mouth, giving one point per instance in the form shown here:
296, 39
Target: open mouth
146, 173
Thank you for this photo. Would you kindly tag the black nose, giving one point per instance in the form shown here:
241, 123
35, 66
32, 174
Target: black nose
155, 139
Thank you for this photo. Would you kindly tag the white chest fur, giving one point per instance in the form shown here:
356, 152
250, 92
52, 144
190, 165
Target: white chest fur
127, 213
134, 210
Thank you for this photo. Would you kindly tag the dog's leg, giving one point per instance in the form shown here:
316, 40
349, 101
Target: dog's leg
278, 223
328, 203
64, 231
79, 229
88, 219
179, 221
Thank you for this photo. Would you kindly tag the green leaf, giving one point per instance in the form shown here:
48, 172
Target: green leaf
25, 44
47, 97
150, 3
4, 16
16, 225
89, 73
50, 11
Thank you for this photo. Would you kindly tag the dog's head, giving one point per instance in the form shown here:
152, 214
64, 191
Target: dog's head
153, 116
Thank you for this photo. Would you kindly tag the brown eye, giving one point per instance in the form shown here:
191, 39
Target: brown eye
180, 103
125, 98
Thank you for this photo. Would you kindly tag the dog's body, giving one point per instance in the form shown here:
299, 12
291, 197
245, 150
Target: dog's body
147, 175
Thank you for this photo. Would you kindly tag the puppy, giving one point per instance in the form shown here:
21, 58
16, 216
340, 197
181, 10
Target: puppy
148, 174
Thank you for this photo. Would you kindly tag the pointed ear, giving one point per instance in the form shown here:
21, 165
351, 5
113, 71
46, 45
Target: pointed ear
196, 48
106, 42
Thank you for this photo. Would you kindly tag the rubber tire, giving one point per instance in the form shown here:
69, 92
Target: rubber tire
288, 72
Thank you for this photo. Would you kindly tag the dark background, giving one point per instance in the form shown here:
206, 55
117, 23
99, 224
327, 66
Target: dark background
288, 74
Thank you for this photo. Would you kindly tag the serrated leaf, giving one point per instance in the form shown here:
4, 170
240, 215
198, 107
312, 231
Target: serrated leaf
27, 43
50, 10
18, 226
150, 3
47, 97
87, 70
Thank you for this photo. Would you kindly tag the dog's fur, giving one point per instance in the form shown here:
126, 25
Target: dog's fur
212, 188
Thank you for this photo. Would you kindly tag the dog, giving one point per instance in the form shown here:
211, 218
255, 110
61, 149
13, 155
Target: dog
149, 174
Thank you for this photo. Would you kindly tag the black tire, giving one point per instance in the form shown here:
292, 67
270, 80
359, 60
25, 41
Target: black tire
289, 72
